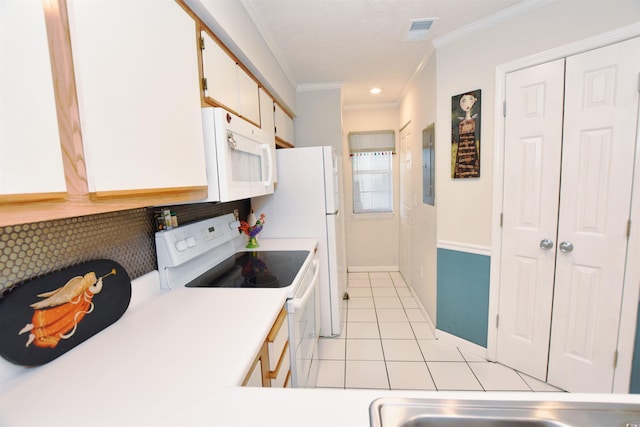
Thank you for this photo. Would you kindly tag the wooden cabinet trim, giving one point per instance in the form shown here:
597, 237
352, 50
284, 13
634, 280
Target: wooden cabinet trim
77, 201
262, 359
208, 101
264, 356
282, 316
31, 197
203, 27
281, 143
64, 85
12, 213
287, 381
196, 192
285, 353
254, 365
285, 110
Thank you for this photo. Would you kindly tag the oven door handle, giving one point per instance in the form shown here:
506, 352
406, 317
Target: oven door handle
296, 303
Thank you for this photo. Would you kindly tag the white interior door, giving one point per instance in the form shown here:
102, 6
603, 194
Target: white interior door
577, 266
601, 111
533, 144
405, 203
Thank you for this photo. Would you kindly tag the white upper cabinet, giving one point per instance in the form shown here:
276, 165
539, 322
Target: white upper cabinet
219, 70
267, 119
30, 150
136, 68
227, 83
248, 97
284, 126
268, 127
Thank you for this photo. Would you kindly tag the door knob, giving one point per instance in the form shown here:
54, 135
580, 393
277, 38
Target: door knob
566, 247
546, 244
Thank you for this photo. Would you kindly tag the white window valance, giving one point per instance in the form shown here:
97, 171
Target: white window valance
366, 142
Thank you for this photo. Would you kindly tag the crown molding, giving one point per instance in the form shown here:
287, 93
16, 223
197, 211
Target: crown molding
258, 22
502, 16
573, 48
307, 87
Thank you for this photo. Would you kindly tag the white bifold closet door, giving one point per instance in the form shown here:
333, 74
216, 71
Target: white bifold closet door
570, 140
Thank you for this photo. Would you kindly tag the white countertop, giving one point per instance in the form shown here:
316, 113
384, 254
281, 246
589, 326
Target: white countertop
244, 407
165, 354
179, 359
177, 348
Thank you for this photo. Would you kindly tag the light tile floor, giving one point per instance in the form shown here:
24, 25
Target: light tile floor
386, 343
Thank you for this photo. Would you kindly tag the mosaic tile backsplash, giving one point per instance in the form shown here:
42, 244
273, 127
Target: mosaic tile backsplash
127, 237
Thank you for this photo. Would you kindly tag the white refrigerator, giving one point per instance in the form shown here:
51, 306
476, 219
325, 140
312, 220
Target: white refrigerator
306, 204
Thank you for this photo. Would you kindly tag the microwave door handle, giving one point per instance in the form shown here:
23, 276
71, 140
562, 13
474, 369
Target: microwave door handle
269, 178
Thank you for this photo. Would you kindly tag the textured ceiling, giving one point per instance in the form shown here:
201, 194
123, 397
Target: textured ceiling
359, 43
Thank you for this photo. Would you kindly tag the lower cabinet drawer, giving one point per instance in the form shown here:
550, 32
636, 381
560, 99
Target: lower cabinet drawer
277, 340
280, 376
254, 378
258, 375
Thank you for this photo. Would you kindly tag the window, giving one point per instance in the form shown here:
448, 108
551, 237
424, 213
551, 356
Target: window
372, 171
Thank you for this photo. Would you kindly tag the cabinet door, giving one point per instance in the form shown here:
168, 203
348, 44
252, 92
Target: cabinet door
267, 127
30, 150
136, 70
254, 378
220, 70
284, 127
278, 347
267, 120
258, 375
248, 97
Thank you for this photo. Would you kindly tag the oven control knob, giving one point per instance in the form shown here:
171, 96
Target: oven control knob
191, 242
181, 245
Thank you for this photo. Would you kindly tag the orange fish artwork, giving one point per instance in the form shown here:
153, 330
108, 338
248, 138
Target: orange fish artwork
57, 316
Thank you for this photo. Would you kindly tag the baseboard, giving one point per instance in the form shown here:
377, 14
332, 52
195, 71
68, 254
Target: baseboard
432, 326
461, 343
353, 269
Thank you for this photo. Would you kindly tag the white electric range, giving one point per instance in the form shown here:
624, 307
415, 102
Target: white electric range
212, 254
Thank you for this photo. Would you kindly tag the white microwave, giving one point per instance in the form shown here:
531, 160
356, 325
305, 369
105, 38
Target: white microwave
240, 161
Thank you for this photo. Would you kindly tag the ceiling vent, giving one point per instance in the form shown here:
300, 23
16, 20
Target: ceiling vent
418, 29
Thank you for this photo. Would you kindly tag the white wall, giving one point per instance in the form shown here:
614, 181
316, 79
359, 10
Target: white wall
372, 240
464, 205
419, 109
319, 118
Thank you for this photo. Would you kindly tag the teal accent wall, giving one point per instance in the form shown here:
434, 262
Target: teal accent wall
463, 302
634, 387
462, 308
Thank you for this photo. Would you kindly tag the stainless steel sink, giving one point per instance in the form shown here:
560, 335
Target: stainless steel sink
398, 412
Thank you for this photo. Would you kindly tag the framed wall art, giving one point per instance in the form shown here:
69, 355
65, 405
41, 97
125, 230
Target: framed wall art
465, 135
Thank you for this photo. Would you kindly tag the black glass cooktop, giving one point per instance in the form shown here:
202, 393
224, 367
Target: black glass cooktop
261, 269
